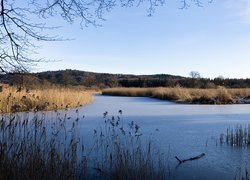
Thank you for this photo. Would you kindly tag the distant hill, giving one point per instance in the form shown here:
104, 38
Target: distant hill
104, 80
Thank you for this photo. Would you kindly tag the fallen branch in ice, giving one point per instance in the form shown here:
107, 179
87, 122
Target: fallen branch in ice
190, 159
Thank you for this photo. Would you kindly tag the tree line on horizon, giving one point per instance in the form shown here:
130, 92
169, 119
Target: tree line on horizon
106, 80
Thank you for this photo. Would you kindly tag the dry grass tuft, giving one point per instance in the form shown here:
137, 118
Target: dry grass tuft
224, 96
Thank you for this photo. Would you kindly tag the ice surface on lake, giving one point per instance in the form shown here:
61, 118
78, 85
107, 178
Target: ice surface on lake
179, 130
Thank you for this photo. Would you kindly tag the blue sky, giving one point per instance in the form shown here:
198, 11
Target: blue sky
213, 40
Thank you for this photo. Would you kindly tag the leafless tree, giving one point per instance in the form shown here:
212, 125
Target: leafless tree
23, 23
195, 75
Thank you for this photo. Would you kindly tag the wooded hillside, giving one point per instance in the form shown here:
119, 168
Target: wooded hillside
105, 80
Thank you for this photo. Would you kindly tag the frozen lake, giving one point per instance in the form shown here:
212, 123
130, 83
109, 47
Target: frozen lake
179, 130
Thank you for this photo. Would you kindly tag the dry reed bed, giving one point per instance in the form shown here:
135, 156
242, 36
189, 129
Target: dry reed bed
36, 148
219, 95
14, 99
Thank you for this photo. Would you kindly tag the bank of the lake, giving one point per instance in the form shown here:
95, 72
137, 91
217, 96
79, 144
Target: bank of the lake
42, 98
220, 95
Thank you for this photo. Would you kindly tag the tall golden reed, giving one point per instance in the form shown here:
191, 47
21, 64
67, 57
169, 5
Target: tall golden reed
13, 99
220, 95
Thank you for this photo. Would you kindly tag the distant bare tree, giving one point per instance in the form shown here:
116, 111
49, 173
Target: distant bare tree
23, 23
195, 81
195, 75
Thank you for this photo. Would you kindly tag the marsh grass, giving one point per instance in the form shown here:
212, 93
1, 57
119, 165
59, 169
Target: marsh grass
125, 155
16, 99
238, 136
35, 147
218, 95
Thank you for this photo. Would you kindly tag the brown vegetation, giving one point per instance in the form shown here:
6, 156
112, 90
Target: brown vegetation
218, 95
35, 148
14, 99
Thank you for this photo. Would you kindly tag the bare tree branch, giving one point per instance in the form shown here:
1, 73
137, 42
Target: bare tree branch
20, 28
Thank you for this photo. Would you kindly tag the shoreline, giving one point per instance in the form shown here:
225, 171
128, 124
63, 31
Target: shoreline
218, 96
20, 99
